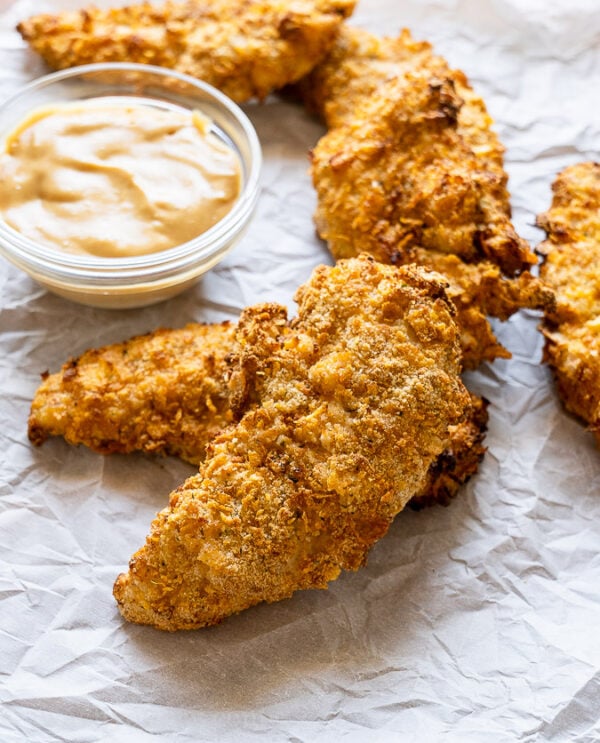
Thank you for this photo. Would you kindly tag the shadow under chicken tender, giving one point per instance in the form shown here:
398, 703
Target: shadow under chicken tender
246, 48
341, 413
571, 267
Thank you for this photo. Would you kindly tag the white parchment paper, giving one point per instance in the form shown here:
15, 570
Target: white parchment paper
477, 622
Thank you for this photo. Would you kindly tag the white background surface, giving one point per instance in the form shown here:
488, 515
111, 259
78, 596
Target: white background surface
478, 622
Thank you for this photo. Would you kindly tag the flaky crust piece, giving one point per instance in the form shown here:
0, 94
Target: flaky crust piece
342, 411
245, 48
572, 268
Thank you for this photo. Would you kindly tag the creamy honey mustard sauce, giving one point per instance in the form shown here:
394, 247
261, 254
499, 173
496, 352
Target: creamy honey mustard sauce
115, 180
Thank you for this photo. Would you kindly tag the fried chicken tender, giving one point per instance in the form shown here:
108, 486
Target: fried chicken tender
411, 171
166, 392
571, 267
359, 62
247, 48
341, 413
161, 393
401, 174
410, 158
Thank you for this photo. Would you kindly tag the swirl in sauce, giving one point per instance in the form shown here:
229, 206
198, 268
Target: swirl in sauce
115, 180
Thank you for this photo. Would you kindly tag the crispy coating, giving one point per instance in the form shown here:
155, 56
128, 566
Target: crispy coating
572, 268
480, 289
412, 171
410, 158
357, 65
246, 48
161, 393
402, 175
458, 462
342, 411
166, 392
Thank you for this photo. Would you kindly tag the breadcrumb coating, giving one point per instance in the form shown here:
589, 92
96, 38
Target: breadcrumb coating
411, 171
478, 290
571, 267
402, 175
410, 158
245, 48
161, 393
458, 462
167, 392
341, 413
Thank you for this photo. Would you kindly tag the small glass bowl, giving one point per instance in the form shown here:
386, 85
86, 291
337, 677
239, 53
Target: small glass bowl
140, 280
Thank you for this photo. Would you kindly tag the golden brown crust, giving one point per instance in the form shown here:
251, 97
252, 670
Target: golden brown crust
167, 393
458, 462
246, 48
342, 412
480, 289
410, 158
161, 393
355, 67
402, 175
571, 267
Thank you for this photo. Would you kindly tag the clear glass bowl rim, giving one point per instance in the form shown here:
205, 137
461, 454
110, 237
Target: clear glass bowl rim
59, 265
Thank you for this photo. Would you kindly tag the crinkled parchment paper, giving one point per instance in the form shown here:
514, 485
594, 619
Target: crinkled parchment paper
477, 622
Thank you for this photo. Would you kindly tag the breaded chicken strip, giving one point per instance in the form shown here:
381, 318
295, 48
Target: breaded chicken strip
341, 413
246, 48
167, 392
410, 157
360, 62
402, 174
162, 393
572, 268
418, 177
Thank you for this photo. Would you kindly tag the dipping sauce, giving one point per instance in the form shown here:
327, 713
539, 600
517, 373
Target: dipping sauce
115, 179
